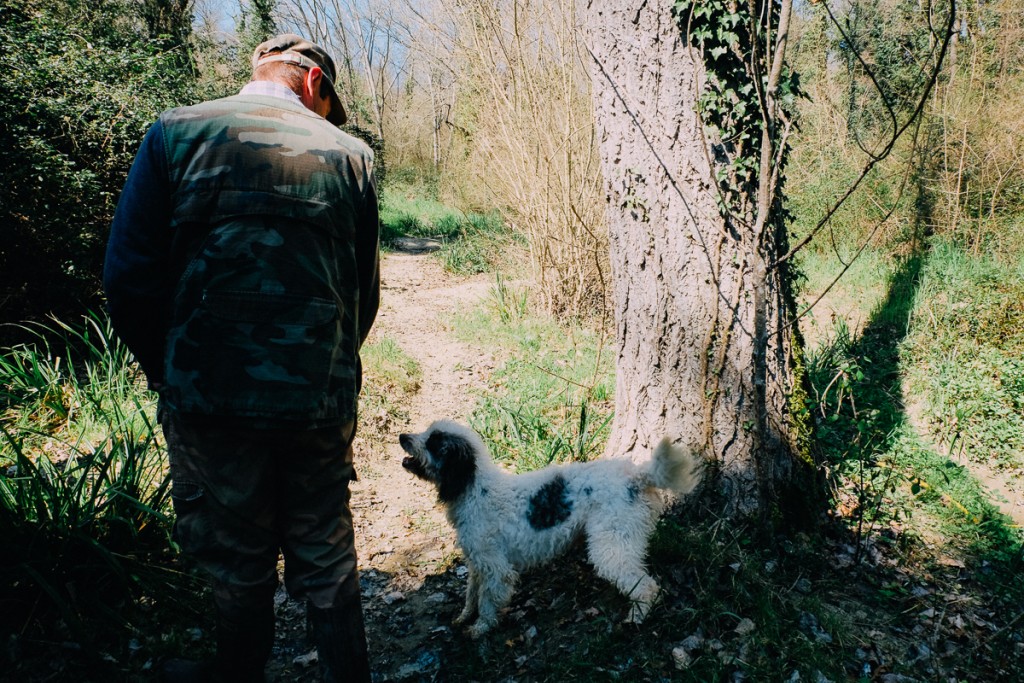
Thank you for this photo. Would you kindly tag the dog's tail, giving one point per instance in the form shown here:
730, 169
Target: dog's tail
675, 467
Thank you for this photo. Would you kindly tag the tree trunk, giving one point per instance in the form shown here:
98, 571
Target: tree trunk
168, 21
704, 323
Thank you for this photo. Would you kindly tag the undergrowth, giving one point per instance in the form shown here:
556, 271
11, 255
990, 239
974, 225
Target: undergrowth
466, 242
84, 495
551, 399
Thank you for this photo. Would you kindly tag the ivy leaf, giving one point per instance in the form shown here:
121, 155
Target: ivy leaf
727, 37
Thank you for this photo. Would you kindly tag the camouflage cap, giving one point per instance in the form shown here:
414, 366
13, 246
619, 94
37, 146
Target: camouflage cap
294, 49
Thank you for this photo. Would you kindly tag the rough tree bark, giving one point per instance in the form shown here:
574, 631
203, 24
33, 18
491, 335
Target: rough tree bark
707, 345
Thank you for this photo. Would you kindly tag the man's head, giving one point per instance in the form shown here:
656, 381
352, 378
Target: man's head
306, 68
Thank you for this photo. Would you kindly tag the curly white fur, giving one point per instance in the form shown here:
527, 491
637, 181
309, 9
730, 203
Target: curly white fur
506, 523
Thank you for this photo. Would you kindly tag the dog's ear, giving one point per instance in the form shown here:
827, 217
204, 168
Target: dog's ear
456, 463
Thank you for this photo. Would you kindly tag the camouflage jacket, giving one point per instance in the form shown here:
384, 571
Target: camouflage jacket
242, 267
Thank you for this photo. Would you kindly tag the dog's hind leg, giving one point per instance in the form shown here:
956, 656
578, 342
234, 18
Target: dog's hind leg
472, 596
619, 558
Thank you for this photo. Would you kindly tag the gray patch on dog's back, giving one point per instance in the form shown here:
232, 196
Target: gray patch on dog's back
550, 505
634, 490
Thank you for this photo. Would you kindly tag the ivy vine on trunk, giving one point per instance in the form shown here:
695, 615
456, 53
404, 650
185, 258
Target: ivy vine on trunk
749, 98
694, 108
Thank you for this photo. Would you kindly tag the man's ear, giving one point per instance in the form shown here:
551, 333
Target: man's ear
311, 84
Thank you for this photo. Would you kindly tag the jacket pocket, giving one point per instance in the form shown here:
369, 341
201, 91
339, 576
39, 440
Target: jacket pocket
258, 355
192, 529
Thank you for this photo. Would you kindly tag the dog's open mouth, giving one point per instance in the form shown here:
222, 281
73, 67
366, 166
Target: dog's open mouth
411, 464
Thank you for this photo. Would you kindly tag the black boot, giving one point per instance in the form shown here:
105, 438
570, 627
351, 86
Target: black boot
340, 639
244, 640
188, 671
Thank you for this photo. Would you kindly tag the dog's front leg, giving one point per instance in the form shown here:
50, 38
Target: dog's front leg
495, 589
472, 596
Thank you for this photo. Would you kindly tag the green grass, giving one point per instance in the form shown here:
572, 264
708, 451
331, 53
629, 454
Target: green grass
406, 213
470, 242
482, 245
550, 401
84, 493
852, 299
967, 346
390, 378
391, 366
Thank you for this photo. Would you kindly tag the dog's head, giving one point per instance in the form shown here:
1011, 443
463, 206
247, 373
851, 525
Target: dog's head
445, 454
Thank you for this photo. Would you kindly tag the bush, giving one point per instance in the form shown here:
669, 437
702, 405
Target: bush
84, 506
78, 99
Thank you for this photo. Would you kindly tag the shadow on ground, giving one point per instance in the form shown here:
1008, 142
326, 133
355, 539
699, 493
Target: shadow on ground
415, 245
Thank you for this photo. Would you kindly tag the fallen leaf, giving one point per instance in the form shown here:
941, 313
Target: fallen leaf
393, 597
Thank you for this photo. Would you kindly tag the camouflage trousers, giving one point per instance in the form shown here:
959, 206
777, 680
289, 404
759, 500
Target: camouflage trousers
243, 496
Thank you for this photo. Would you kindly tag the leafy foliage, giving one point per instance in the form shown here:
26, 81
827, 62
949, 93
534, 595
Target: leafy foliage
84, 493
732, 103
80, 90
882, 46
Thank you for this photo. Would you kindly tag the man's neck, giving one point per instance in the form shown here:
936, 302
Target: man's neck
270, 89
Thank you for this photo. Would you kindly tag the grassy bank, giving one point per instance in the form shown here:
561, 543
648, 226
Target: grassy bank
466, 242
914, 577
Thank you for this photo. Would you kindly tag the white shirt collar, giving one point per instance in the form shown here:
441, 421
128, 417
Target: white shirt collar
271, 89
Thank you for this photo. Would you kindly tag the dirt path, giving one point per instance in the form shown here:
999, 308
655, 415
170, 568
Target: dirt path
411, 582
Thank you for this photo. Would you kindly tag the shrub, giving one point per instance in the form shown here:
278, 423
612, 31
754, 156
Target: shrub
83, 483
79, 96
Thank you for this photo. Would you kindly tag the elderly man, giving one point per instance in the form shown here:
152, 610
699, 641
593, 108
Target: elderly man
242, 271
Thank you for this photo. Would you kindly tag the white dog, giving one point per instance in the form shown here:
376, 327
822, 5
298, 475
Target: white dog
506, 522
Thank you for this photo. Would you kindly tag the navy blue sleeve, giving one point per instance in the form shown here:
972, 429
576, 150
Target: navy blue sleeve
136, 273
368, 259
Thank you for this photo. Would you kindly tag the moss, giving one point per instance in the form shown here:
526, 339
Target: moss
801, 422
